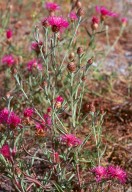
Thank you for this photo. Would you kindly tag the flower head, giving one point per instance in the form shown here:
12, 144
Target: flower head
28, 112
9, 33
95, 20
57, 23
4, 115
5, 151
52, 6
34, 63
70, 140
9, 60
73, 16
105, 12
117, 173
59, 99
9, 118
13, 120
100, 173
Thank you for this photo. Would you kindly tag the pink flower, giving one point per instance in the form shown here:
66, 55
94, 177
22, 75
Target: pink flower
28, 112
70, 140
73, 16
9, 118
13, 120
9, 33
57, 23
5, 151
117, 173
52, 6
59, 99
95, 20
34, 63
100, 173
47, 119
40, 126
35, 46
8, 60
105, 12
4, 115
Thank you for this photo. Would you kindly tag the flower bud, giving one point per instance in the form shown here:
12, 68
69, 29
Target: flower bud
71, 56
90, 61
44, 22
124, 21
71, 67
78, 4
95, 23
80, 12
79, 50
83, 78
92, 107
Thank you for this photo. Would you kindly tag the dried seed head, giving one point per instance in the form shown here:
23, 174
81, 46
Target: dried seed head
71, 56
79, 50
71, 67
80, 12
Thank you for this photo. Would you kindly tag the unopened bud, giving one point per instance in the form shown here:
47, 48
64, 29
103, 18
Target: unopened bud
80, 12
8, 95
71, 56
44, 22
71, 67
92, 107
94, 26
79, 50
90, 61
83, 78
78, 4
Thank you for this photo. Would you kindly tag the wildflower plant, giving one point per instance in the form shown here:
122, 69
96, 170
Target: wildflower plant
44, 121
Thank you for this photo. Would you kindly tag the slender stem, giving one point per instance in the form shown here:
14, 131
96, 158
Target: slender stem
70, 43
